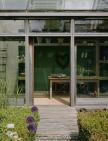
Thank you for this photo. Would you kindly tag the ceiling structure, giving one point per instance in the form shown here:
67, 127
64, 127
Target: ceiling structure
54, 5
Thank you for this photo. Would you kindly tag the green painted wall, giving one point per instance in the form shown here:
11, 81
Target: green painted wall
49, 60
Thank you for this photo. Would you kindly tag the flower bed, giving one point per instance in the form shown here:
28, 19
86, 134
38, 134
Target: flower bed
16, 124
93, 125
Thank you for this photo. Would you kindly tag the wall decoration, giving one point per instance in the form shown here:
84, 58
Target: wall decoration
62, 59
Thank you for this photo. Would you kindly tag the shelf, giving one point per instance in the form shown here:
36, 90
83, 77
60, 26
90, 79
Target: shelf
2, 71
2, 64
52, 44
92, 44
103, 61
91, 78
21, 61
20, 95
4, 49
103, 78
105, 95
103, 44
21, 78
86, 44
87, 77
3, 57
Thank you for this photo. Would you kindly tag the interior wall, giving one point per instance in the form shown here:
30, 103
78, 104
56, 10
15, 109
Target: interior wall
49, 60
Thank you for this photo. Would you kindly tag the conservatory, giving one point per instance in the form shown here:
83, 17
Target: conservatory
53, 47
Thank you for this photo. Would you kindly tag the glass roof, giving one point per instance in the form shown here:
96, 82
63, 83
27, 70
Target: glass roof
53, 4
13, 4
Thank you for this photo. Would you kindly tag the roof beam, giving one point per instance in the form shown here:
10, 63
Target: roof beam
54, 14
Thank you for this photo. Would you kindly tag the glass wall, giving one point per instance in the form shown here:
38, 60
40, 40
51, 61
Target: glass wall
92, 56
91, 25
12, 70
49, 26
12, 26
92, 67
53, 5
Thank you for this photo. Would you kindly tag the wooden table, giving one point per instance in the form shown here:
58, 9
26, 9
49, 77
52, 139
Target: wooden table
59, 80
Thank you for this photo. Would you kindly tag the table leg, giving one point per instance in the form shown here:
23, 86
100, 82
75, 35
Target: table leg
50, 89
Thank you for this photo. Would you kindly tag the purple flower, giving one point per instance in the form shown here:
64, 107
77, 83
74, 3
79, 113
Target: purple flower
30, 119
34, 109
32, 127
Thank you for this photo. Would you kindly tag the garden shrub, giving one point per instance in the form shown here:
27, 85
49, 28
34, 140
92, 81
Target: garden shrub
93, 125
3, 94
18, 116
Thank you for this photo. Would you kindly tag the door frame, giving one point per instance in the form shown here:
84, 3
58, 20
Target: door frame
29, 63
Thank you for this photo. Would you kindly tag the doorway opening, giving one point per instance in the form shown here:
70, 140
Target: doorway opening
51, 70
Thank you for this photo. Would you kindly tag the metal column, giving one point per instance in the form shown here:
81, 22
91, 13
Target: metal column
28, 70
72, 67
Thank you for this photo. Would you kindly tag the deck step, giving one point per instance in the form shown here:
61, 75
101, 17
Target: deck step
57, 123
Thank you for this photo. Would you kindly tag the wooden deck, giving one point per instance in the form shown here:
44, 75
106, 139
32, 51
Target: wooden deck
57, 123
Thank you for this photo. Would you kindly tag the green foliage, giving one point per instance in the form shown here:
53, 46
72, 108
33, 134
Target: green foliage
17, 116
93, 125
3, 94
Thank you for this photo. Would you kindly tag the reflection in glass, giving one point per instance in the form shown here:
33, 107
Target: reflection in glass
12, 69
53, 5
49, 26
11, 26
92, 67
13, 4
104, 87
91, 25
86, 58
68, 4
86, 89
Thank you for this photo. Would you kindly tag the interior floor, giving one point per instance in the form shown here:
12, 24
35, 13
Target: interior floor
56, 100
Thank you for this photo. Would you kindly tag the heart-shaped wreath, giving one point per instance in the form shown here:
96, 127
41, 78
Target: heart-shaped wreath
62, 59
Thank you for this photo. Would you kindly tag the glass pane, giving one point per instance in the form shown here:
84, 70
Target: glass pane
104, 88
92, 67
86, 58
1, 6
53, 5
101, 5
86, 89
91, 25
12, 70
68, 5
49, 26
79, 5
11, 26
103, 56
13, 4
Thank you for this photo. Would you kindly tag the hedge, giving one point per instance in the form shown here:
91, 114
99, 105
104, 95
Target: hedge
93, 125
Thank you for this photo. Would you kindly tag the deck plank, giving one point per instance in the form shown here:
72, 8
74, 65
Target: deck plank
57, 123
